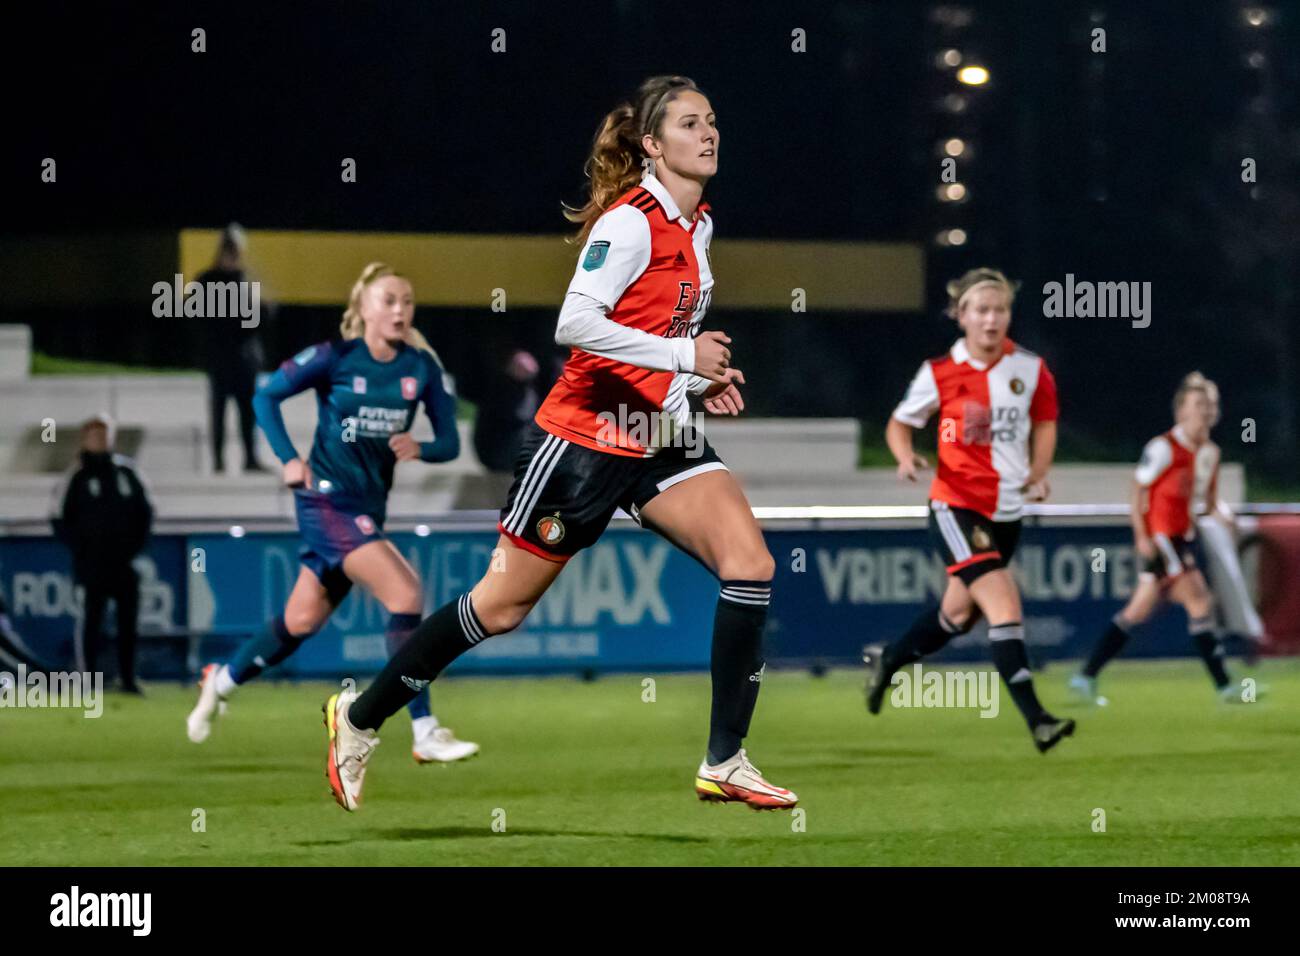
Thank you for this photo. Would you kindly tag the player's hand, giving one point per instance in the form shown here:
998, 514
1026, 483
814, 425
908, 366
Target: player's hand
404, 446
723, 398
297, 474
907, 469
1146, 547
712, 357
1037, 490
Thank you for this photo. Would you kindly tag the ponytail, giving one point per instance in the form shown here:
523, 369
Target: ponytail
614, 165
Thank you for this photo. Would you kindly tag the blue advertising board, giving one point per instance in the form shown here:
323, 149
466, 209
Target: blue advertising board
631, 602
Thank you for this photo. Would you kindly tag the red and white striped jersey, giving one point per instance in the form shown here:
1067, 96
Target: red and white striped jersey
647, 269
986, 413
1172, 470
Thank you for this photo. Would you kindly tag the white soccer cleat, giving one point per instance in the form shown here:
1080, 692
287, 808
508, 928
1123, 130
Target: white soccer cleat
198, 725
349, 751
434, 744
738, 781
1084, 690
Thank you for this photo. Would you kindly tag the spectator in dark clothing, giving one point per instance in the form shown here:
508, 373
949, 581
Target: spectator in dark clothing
104, 520
232, 354
507, 398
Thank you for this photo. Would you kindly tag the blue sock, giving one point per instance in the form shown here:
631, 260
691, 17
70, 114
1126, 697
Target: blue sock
263, 651
399, 629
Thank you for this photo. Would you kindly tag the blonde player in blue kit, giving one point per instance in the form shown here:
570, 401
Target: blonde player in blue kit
368, 388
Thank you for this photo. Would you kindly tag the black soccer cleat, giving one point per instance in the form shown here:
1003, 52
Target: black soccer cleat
1049, 731
873, 655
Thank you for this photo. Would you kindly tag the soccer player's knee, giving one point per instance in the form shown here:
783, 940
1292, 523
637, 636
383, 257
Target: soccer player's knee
961, 618
501, 618
302, 624
405, 600
754, 566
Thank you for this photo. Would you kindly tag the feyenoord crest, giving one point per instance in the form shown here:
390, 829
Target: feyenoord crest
551, 529
358, 385
979, 537
408, 388
1017, 386
366, 525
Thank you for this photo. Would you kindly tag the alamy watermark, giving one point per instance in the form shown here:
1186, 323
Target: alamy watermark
1081, 299
209, 300
945, 688
656, 429
64, 689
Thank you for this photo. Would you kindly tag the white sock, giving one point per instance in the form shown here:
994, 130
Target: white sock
423, 726
225, 683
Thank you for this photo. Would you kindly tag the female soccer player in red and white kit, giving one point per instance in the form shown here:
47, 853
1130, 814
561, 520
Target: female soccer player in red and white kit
997, 435
1173, 468
615, 432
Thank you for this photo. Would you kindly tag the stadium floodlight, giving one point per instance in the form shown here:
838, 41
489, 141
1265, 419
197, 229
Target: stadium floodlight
973, 75
1256, 16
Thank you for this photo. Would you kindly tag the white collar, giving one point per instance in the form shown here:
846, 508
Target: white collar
1180, 436
960, 353
659, 191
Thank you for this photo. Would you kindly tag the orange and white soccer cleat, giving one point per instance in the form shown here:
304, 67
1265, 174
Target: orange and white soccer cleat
349, 751
738, 781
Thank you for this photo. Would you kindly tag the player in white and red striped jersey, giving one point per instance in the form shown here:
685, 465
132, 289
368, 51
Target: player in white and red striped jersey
1173, 466
997, 434
615, 433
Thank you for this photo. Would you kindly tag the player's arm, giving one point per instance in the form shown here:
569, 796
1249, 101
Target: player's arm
1044, 409
920, 402
310, 368
898, 436
440, 407
616, 254
1156, 457
1042, 449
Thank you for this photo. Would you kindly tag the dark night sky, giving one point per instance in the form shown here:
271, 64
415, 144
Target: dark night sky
835, 143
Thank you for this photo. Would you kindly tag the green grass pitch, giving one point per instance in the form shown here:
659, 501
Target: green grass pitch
589, 773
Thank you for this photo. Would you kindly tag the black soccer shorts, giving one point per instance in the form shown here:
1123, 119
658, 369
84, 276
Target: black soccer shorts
564, 493
1173, 557
972, 545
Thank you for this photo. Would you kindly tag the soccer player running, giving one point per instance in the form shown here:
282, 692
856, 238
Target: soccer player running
1173, 465
614, 432
997, 435
368, 388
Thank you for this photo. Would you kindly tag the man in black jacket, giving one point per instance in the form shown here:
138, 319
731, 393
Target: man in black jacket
233, 356
104, 520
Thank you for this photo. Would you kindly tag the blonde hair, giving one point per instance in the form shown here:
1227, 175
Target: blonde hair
353, 325
1196, 382
614, 165
958, 288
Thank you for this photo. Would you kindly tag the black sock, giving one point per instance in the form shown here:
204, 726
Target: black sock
439, 639
1111, 643
1007, 642
737, 663
929, 632
399, 629
265, 650
1210, 649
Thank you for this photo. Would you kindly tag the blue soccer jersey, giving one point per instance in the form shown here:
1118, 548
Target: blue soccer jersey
361, 404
